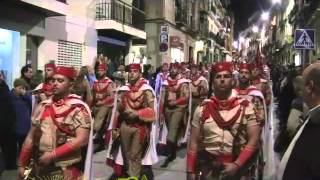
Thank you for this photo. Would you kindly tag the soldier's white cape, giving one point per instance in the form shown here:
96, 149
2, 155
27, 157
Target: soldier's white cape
163, 129
151, 156
267, 135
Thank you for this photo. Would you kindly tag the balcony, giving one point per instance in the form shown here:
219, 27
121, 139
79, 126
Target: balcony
307, 12
120, 16
217, 38
47, 7
181, 17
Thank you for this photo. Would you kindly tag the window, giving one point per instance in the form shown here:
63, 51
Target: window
69, 54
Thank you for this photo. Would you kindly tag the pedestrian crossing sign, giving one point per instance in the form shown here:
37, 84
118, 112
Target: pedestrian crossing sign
304, 39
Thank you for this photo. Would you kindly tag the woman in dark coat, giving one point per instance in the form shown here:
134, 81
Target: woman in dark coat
7, 125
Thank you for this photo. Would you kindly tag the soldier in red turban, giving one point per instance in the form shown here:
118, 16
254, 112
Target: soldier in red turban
185, 72
103, 91
261, 84
60, 129
44, 90
133, 126
224, 149
175, 102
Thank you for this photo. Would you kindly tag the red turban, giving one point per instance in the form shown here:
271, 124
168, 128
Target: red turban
69, 72
50, 65
134, 66
222, 66
102, 67
244, 66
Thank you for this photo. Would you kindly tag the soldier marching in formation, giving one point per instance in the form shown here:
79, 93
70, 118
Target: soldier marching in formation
224, 134
45, 90
60, 128
174, 106
130, 119
103, 98
133, 125
199, 87
261, 84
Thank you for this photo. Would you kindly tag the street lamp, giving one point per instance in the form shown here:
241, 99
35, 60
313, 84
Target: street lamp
265, 16
235, 44
241, 39
255, 28
276, 1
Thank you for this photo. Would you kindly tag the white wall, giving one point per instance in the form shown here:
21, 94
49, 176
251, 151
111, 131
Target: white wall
77, 26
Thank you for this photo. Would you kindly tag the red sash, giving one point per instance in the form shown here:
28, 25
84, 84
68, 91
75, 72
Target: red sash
212, 109
49, 111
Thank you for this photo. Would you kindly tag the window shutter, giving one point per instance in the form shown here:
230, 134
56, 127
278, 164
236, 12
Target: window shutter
69, 54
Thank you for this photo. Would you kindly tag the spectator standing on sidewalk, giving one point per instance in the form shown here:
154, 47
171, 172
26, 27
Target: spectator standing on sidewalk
26, 74
22, 106
7, 133
302, 160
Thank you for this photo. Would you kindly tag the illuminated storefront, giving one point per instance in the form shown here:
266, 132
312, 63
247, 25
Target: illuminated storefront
176, 49
10, 54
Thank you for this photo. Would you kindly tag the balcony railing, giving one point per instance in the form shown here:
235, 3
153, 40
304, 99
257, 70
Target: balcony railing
120, 12
181, 17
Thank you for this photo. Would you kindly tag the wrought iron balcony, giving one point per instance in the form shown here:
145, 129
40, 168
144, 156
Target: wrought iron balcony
121, 12
181, 17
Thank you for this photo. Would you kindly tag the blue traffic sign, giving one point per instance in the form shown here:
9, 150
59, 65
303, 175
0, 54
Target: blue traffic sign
304, 39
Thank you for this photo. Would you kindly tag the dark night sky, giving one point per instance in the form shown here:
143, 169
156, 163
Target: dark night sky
243, 9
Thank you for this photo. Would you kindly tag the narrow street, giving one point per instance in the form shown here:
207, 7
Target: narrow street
176, 170
79, 75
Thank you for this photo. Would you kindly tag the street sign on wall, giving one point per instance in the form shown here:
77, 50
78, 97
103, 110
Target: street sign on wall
164, 38
304, 39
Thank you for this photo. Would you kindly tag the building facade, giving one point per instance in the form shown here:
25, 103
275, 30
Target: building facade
216, 31
306, 15
69, 32
22, 32
197, 31
121, 30
178, 22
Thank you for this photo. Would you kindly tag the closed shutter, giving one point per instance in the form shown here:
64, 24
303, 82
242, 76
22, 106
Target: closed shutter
69, 54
